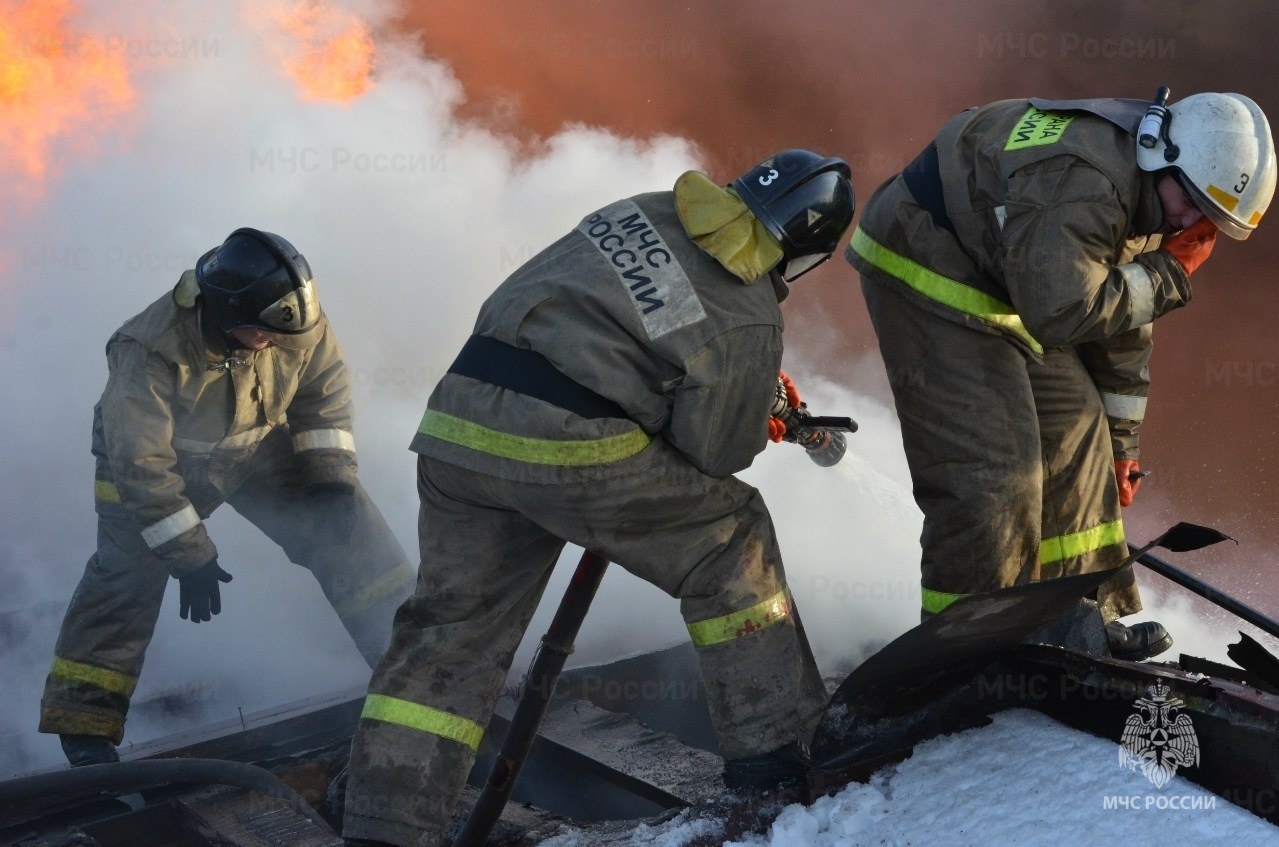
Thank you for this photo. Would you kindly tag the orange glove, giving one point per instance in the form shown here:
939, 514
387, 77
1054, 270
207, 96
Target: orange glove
1126, 476
776, 429
1191, 246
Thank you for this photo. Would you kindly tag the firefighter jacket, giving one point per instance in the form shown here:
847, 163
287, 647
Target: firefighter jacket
182, 415
630, 309
1031, 219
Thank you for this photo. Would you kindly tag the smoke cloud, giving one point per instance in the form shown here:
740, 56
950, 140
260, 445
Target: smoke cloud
872, 82
418, 153
409, 216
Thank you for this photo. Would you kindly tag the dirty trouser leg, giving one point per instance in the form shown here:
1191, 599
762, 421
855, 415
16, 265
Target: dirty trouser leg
104, 636
1082, 528
482, 573
709, 542
972, 442
344, 541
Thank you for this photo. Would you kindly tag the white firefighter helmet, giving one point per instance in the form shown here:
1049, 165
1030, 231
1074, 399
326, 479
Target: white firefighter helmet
1222, 147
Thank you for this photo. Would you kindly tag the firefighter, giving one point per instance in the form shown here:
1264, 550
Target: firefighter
230, 388
611, 388
1012, 272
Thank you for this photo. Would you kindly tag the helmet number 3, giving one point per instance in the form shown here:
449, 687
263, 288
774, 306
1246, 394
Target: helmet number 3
1243, 181
767, 179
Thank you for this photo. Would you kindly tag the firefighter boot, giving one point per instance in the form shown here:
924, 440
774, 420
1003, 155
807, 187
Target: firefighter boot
1137, 642
88, 750
786, 767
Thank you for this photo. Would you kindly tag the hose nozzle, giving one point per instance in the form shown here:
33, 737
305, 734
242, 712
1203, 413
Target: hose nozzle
825, 446
821, 437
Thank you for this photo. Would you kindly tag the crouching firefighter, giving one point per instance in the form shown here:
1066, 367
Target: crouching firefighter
612, 387
1012, 272
230, 388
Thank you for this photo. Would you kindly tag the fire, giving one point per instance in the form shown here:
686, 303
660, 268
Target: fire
59, 89
328, 52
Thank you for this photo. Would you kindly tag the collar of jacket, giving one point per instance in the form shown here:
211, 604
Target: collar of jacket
718, 221
207, 344
219, 353
215, 349
1148, 216
186, 291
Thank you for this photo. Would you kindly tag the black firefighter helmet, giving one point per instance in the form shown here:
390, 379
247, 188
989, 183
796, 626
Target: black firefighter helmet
258, 280
805, 201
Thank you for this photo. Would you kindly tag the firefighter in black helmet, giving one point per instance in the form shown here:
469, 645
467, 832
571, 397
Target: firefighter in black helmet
612, 387
231, 388
805, 201
256, 280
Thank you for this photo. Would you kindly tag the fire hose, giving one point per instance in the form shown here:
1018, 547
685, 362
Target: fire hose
31, 793
539, 684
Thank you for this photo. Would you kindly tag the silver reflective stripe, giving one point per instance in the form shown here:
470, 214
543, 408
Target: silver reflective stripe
171, 527
324, 439
1126, 407
231, 442
1141, 293
1001, 215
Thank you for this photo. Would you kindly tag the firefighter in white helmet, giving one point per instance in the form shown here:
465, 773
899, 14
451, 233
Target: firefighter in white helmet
1012, 272
229, 388
1219, 148
612, 387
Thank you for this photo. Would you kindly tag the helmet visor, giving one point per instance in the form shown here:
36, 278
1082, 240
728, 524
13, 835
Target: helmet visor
1224, 221
293, 313
795, 268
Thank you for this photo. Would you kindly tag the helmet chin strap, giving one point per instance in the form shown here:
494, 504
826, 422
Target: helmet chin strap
230, 361
1171, 151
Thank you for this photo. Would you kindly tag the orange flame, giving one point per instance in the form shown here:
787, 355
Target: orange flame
329, 53
57, 85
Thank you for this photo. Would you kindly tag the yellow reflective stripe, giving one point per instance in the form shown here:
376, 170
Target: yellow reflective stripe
1078, 543
938, 601
762, 615
943, 289
108, 680
1050, 550
387, 585
379, 707
538, 451
105, 491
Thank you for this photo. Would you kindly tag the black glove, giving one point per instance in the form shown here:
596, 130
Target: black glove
333, 504
198, 592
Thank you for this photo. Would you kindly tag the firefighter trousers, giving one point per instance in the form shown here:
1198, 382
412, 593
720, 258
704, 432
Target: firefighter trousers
113, 612
488, 548
1010, 457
